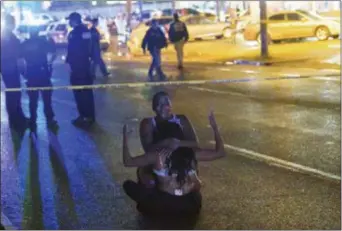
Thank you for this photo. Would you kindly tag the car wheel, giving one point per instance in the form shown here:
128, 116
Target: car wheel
322, 33
269, 40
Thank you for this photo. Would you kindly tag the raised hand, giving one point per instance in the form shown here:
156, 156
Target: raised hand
212, 120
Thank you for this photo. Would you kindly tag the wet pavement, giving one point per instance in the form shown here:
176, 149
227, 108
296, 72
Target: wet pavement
71, 178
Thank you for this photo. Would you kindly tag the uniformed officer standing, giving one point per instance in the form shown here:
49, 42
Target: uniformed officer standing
38, 72
10, 54
96, 50
79, 59
178, 35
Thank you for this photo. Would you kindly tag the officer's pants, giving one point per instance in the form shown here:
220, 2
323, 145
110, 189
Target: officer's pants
13, 99
179, 46
46, 96
84, 97
156, 63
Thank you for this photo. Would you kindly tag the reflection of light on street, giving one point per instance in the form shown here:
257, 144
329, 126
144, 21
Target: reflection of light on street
335, 60
229, 63
250, 71
292, 75
112, 67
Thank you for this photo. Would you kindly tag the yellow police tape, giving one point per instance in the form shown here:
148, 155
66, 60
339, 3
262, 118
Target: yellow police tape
151, 84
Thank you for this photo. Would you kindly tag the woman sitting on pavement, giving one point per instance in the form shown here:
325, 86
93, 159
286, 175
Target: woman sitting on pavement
149, 133
178, 188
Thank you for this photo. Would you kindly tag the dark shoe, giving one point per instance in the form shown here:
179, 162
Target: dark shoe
78, 121
32, 125
107, 75
52, 123
180, 67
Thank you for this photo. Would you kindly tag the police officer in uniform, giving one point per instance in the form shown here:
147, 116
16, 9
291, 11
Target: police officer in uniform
96, 50
79, 58
178, 35
35, 52
10, 54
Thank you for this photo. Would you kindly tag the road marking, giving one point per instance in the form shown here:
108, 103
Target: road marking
216, 91
282, 163
328, 79
7, 223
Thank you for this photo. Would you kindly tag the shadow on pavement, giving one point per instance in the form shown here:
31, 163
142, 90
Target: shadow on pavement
33, 206
17, 138
169, 223
64, 199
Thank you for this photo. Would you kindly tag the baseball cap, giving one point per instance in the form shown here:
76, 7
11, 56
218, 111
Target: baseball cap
74, 16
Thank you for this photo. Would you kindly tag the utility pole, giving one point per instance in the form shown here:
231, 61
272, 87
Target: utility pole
173, 6
218, 9
128, 13
141, 3
263, 29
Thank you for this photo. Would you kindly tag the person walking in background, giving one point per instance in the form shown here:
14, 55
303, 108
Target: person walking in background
154, 41
96, 50
10, 54
178, 35
38, 73
79, 58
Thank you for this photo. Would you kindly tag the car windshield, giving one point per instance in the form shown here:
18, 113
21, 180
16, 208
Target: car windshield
311, 15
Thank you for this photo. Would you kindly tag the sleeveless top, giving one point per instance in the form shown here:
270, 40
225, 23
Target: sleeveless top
164, 172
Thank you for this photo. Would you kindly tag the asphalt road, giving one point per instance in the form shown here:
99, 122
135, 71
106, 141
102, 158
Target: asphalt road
71, 179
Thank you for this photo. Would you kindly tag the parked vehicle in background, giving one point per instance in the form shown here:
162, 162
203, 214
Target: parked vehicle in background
332, 15
22, 31
104, 32
199, 27
294, 24
137, 34
59, 31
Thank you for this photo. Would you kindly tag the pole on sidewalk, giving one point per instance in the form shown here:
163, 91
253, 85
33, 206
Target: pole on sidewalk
218, 9
141, 3
263, 29
173, 6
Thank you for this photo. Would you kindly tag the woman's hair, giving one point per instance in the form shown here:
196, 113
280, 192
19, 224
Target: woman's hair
156, 98
182, 160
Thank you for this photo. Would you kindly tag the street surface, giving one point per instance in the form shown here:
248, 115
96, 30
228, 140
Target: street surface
71, 178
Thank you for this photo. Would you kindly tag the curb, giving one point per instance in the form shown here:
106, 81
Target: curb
261, 63
7, 223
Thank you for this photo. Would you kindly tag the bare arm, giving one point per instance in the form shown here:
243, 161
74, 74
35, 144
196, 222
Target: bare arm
139, 161
218, 151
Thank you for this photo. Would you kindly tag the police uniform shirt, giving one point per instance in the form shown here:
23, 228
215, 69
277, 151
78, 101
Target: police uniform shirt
79, 48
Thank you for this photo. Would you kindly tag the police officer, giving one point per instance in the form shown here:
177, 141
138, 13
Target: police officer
10, 54
38, 72
154, 41
79, 58
178, 35
96, 50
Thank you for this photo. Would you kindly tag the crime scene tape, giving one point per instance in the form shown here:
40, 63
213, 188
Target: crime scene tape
161, 83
